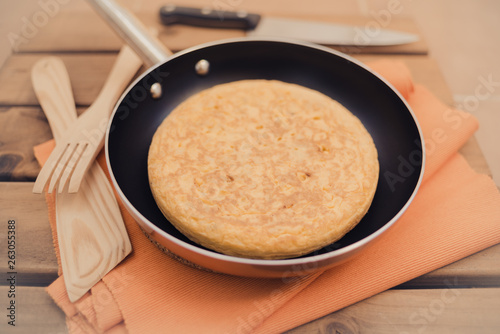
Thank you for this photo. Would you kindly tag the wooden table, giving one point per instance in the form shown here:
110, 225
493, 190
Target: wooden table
463, 297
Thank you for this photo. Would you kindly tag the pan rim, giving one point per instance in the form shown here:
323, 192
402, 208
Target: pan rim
266, 262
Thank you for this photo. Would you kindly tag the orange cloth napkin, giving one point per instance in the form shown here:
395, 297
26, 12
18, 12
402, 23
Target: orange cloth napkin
456, 213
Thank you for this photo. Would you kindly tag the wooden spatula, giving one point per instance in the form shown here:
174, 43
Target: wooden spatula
91, 234
80, 144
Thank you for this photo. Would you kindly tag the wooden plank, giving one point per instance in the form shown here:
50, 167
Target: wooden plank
35, 260
87, 74
86, 31
480, 269
22, 128
35, 312
449, 310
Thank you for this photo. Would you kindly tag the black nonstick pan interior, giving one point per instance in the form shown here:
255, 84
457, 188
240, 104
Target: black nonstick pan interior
377, 105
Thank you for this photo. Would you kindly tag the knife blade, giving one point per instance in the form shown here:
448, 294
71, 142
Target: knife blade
259, 26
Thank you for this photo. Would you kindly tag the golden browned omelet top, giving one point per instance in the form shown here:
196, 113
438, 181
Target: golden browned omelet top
262, 169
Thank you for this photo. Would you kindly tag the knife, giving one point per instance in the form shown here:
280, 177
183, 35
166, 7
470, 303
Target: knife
258, 26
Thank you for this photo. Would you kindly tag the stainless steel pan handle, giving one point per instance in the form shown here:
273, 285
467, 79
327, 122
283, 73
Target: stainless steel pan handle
132, 31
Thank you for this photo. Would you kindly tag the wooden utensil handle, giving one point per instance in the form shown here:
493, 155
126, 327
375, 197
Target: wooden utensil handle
124, 69
53, 89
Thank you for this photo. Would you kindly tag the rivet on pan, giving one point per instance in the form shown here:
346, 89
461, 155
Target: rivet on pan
155, 90
202, 67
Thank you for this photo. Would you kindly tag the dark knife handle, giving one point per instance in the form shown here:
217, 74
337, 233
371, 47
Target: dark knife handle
207, 17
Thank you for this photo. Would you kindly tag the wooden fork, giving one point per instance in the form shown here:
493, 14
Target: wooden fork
92, 238
84, 138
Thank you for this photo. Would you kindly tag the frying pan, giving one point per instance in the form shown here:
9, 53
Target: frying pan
173, 78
